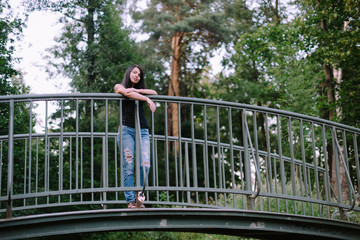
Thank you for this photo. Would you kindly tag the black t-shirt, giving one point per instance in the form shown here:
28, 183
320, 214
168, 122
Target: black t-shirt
128, 114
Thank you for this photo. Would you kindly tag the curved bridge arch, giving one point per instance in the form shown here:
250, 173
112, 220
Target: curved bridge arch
229, 158
228, 222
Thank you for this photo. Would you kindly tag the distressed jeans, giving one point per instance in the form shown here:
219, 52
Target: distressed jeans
128, 162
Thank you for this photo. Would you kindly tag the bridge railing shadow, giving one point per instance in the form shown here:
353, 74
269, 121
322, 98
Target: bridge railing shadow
204, 153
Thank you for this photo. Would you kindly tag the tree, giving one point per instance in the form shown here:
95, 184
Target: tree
332, 29
94, 49
183, 32
11, 81
9, 29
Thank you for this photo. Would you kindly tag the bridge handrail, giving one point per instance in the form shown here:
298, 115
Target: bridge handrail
52, 97
310, 178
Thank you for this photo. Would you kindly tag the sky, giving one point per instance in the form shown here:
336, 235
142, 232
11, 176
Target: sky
38, 36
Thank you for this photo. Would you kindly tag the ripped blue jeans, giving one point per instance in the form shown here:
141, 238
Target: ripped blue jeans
128, 160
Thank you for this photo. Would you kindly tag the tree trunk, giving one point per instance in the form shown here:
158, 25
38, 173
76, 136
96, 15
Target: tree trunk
174, 85
343, 178
90, 78
333, 97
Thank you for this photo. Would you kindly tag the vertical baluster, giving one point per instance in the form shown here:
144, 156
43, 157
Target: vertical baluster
61, 149
206, 157
282, 163
301, 188
166, 151
153, 149
176, 171
257, 157
205, 175
218, 146
10, 161
327, 183
137, 144
242, 179
77, 146
70, 168
121, 146
356, 159
293, 176
346, 162
214, 173
1, 165
337, 167
36, 170
81, 168
306, 184
223, 174
247, 164
153, 153
47, 152
232, 155
310, 191
276, 183
157, 172
25, 173
116, 169
193, 148
92, 149
187, 171
104, 171
59, 168
268, 159
106, 149
30, 145
180, 151
315, 162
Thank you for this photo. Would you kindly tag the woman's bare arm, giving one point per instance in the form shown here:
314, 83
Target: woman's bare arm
136, 94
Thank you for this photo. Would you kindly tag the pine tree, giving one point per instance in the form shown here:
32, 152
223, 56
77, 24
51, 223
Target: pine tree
183, 32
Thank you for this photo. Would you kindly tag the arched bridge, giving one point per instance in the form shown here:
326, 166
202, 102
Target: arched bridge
216, 167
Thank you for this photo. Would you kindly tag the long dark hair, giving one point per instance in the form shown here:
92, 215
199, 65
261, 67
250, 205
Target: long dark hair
127, 82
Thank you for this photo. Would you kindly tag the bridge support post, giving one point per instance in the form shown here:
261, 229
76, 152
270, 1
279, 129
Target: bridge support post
10, 160
250, 200
137, 144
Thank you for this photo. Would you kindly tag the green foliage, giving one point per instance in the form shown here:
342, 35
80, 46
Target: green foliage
11, 82
200, 27
10, 29
331, 30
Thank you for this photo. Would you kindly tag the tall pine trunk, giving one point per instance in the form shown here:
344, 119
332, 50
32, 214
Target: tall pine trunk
174, 84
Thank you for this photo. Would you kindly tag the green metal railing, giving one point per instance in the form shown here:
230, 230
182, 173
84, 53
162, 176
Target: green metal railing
226, 155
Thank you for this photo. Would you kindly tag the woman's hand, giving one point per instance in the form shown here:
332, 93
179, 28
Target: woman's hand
130, 90
151, 105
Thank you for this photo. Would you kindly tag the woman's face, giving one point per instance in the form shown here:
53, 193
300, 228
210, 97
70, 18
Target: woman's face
135, 76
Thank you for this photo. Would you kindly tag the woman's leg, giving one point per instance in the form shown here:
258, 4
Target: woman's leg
145, 154
128, 153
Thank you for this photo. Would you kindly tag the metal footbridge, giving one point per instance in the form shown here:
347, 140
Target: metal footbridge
216, 167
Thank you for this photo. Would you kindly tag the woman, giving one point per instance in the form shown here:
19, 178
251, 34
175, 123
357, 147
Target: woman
133, 86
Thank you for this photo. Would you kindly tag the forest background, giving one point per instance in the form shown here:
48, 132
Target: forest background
301, 56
